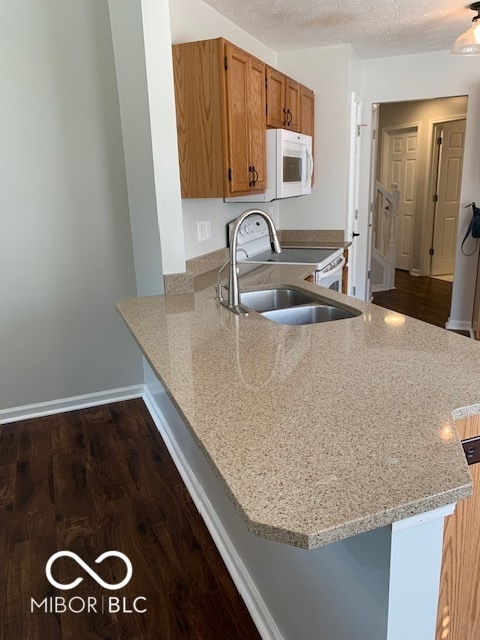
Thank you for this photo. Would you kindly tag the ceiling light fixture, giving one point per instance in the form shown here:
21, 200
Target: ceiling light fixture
468, 44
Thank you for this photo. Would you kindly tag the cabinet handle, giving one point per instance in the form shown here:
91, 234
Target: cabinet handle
291, 117
251, 168
255, 175
285, 111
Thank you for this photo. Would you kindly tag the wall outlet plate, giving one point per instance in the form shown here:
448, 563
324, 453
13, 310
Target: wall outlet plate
471, 446
204, 230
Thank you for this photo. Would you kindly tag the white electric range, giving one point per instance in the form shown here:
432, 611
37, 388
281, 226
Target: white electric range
253, 247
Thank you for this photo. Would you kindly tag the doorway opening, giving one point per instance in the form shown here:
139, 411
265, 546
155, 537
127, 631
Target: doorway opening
416, 176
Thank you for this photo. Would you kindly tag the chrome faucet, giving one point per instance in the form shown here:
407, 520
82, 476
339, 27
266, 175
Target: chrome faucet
233, 293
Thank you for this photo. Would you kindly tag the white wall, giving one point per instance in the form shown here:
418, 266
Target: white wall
166, 174
194, 20
328, 72
414, 77
129, 51
65, 243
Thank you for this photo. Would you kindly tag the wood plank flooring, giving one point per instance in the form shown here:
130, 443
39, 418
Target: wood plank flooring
423, 298
95, 480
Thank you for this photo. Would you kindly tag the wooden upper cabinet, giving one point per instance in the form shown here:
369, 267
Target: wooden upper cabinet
220, 108
245, 111
307, 110
275, 93
290, 105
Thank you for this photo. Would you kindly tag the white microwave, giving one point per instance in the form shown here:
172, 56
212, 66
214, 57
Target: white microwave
289, 167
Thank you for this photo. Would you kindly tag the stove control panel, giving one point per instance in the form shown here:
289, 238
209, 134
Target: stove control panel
254, 228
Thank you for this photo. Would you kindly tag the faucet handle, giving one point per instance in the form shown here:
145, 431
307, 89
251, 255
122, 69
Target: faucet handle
219, 291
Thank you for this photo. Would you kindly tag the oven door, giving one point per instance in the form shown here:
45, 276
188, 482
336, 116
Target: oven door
331, 279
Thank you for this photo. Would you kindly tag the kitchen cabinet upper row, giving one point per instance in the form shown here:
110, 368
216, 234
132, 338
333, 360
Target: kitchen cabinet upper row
290, 105
221, 95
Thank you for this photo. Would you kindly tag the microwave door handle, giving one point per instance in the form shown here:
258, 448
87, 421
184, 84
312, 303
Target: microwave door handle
310, 166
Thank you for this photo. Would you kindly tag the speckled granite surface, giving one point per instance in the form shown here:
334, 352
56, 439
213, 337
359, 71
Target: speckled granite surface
318, 432
315, 237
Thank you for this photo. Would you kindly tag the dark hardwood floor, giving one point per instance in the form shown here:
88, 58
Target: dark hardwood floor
92, 481
424, 298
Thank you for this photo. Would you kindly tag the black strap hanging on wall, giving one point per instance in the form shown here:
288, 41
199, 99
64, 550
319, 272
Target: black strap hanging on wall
473, 228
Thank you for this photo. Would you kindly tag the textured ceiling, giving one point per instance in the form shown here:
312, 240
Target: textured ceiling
374, 28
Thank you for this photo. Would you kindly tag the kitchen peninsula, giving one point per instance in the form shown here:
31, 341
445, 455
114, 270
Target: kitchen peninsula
323, 457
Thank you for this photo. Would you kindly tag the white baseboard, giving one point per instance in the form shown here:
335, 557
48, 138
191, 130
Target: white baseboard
69, 404
458, 325
415, 272
245, 585
377, 288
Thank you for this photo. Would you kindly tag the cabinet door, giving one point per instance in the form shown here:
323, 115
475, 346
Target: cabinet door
256, 121
237, 78
245, 106
275, 91
307, 105
292, 104
198, 80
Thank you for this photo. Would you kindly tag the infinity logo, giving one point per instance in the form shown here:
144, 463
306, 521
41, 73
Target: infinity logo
91, 572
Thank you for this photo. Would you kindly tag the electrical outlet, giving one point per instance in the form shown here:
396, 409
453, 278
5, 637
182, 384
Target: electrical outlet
204, 230
472, 449
208, 229
201, 231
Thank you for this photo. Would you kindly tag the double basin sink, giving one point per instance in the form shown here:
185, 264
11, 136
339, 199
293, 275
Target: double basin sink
291, 306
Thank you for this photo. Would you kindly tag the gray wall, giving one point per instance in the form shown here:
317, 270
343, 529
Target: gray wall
65, 242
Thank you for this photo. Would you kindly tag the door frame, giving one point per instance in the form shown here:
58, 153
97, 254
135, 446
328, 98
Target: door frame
371, 196
429, 208
351, 222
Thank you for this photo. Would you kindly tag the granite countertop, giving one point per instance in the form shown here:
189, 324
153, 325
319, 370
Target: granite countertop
317, 432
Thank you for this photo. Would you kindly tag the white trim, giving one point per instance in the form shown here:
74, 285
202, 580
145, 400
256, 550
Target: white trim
69, 404
415, 272
351, 220
458, 325
245, 585
415, 567
413, 521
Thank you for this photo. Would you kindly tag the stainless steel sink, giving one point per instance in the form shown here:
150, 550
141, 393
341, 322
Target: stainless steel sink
291, 306
267, 299
310, 314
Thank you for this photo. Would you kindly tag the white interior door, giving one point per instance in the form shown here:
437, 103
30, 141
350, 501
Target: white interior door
402, 170
449, 179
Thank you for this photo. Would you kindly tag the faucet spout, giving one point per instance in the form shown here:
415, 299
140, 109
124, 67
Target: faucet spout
233, 292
